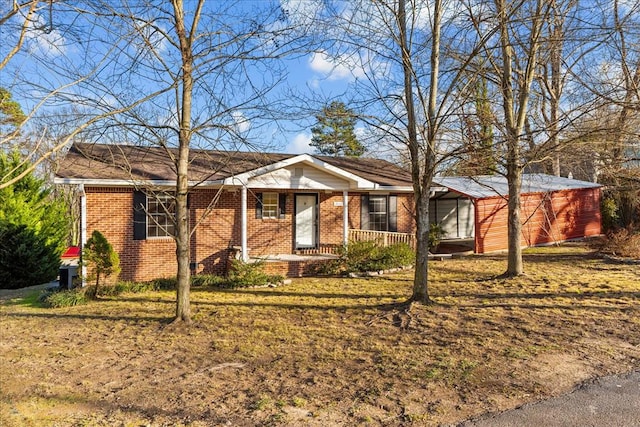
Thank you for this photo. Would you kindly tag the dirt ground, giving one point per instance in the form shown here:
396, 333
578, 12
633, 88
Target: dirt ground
324, 351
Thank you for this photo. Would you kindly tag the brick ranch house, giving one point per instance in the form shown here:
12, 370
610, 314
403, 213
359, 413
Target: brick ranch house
288, 209
293, 210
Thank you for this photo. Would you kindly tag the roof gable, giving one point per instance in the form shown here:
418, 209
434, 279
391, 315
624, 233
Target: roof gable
265, 174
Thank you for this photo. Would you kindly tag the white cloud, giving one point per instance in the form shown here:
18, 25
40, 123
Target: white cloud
242, 124
300, 144
341, 67
44, 39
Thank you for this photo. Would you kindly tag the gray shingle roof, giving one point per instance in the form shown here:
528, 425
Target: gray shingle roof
130, 163
481, 187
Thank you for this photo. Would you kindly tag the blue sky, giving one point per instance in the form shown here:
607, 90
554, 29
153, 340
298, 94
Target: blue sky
316, 77
313, 75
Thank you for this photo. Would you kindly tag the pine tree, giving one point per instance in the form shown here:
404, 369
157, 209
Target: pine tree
334, 135
11, 115
33, 227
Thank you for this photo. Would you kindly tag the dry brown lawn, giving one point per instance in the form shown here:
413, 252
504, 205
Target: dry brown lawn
325, 351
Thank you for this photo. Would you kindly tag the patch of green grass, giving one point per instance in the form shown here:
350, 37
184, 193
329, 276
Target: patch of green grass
299, 402
262, 403
30, 299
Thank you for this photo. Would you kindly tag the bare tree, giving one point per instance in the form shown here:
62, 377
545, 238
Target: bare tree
408, 87
206, 69
31, 31
513, 58
175, 75
25, 13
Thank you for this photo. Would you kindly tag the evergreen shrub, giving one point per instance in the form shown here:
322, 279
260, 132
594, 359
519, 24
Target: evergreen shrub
26, 258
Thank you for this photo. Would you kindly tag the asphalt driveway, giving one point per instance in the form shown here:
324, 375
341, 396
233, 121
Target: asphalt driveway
606, 402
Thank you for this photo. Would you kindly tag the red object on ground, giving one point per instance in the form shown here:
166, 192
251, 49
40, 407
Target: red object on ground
72, 252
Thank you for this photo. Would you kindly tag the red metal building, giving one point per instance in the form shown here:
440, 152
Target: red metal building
554, 209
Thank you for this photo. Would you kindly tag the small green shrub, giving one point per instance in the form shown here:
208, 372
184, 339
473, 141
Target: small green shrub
101, 260
64, 298
397, 255
245, 274
610, 215
359, 257
436, 233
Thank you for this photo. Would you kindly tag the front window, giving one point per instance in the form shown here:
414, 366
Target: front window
269, 205
378, 213
161, 211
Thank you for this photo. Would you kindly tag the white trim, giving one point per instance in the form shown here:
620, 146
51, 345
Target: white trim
394, 189
345, 218
132, 183
243, 225
358, 182
83, 231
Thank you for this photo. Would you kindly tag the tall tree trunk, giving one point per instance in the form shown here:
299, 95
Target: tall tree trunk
419, 167
421, 275
515, 107
515, 265
182, 237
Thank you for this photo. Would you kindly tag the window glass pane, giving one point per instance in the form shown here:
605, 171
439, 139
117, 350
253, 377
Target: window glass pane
270, 205
160, 210
152, 230
378, 213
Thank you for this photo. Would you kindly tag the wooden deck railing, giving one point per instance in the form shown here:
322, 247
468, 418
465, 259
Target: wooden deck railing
383, 238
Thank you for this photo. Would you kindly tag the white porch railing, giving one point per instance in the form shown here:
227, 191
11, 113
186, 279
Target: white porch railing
383, 238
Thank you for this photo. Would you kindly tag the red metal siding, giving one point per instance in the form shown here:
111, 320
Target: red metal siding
546, 218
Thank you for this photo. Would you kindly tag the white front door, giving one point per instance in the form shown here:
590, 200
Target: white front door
306, 230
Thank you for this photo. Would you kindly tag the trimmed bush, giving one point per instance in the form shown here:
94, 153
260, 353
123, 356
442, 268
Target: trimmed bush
100, 258
398, 255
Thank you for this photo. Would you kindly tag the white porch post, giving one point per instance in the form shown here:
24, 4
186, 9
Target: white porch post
345, 217
243, 220
83, 231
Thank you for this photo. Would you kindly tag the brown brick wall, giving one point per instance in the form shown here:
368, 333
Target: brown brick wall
110, 210
406, 209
